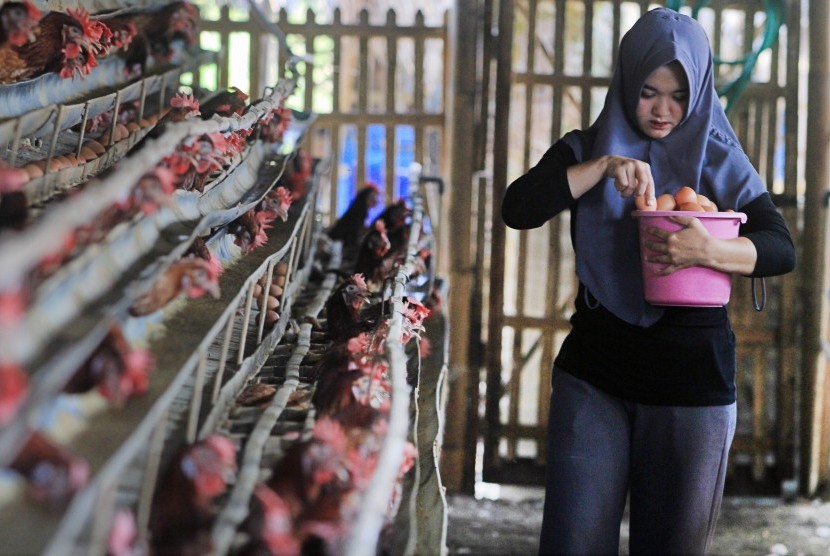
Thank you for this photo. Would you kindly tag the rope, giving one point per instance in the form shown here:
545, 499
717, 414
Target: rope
775, 15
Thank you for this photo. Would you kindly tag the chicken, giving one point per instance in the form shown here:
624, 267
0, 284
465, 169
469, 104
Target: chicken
343, 308
67, 43
199, 249
373, 261
191, 276
342, 376
176, 21
53, 473
14, 386
275, 205
249, 230
298, 174
312, 471
225, 103
269, 525
351, 226
182, 107
18, 21
153, 190
334, 374
181, 512
116, 369
194, 161
396, 217
273, 126
14, 211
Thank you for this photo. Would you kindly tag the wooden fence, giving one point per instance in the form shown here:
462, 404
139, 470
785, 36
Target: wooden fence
378, 90
562, 60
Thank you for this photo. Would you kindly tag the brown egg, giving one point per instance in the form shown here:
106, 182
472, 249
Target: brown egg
257, 290
281, 268
271, 318
96, 147
71, 158
666, 202
276, 290
640, 203
144, 122
54, 165
87, 154
273, 302
706, 203
132, 127
153, 119
685, 195
34, 169
279, 280
691, 207
122, 130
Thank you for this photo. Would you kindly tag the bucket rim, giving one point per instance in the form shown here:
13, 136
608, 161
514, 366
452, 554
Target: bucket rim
722, 215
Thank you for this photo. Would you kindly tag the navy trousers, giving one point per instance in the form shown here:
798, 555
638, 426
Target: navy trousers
670, 461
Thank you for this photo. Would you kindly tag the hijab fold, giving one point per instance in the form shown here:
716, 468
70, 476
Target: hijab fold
702, 152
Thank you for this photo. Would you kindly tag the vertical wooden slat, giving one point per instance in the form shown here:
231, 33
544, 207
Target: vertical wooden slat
500, 149
813, 263
391, 100
787, 359
587, 60
615, 29
530, 56
308, 74
224, 43
558, 69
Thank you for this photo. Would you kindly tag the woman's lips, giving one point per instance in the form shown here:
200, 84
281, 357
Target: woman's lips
659, 125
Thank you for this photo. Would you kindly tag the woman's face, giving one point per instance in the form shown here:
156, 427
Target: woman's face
663, 101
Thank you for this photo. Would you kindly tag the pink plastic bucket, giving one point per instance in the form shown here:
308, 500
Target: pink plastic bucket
690, 287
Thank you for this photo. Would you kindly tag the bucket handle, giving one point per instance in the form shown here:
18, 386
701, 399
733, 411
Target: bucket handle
759, 307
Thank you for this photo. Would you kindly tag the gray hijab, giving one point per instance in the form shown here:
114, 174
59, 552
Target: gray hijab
702, 152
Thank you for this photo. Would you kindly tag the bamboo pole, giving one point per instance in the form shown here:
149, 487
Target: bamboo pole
813, 271
456, 451
501, 134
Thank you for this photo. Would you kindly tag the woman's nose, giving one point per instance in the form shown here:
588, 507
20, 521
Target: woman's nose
660, 107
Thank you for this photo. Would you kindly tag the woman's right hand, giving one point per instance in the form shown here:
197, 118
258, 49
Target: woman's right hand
631, 177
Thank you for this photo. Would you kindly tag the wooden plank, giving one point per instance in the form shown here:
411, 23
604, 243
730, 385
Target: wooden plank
813, 261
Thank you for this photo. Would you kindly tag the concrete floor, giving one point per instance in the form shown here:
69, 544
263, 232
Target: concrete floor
506, 521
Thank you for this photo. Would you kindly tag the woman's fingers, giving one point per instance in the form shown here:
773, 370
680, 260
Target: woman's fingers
632, 178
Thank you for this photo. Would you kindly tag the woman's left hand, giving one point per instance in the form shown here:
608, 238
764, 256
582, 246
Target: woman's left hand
688, 246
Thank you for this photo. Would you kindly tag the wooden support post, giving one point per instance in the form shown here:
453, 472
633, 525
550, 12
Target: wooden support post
458, 452
814, 396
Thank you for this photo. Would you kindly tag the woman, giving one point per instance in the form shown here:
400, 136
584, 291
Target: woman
643, 400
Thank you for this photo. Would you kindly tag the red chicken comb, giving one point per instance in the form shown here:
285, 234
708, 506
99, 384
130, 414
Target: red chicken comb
224, 448
185, 101
359, 280
92, 30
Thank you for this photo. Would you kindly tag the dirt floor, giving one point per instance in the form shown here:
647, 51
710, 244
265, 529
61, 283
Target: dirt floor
747, 526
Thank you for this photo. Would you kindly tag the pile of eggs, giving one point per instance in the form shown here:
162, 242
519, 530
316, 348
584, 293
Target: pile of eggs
686, 199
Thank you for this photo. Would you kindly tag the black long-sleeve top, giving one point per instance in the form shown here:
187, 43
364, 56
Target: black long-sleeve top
685, 358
